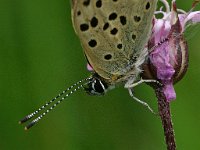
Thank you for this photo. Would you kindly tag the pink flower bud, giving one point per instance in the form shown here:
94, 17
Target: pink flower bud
168, 49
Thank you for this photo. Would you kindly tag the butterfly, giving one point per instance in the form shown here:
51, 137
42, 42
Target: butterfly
113, 34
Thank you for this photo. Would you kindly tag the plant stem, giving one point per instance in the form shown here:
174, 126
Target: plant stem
165, 115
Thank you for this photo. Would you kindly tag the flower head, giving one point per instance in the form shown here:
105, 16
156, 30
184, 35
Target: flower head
168, 58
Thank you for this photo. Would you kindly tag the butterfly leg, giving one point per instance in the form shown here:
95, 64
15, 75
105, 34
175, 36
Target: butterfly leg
140, 82
140, 101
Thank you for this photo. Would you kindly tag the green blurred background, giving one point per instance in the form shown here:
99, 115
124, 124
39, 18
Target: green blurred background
40, 55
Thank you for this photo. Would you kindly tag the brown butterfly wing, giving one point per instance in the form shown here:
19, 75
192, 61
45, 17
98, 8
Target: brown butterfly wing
112, 32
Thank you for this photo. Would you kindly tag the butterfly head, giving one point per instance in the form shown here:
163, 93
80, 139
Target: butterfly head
97, 86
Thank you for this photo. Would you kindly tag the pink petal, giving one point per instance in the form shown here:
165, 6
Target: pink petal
189, 19
169, 92
89, 67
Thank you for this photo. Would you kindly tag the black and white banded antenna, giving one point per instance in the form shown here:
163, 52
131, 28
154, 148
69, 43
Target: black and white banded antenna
166, 39
69, 91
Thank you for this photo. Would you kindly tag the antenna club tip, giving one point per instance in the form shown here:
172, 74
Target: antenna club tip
24, 120
19, 122
25, 128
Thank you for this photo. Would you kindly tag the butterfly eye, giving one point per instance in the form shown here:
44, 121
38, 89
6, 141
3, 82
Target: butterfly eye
96, 86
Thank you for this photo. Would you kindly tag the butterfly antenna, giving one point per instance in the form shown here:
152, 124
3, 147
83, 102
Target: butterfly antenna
28, 117
33, 122
163, 41
159, 43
